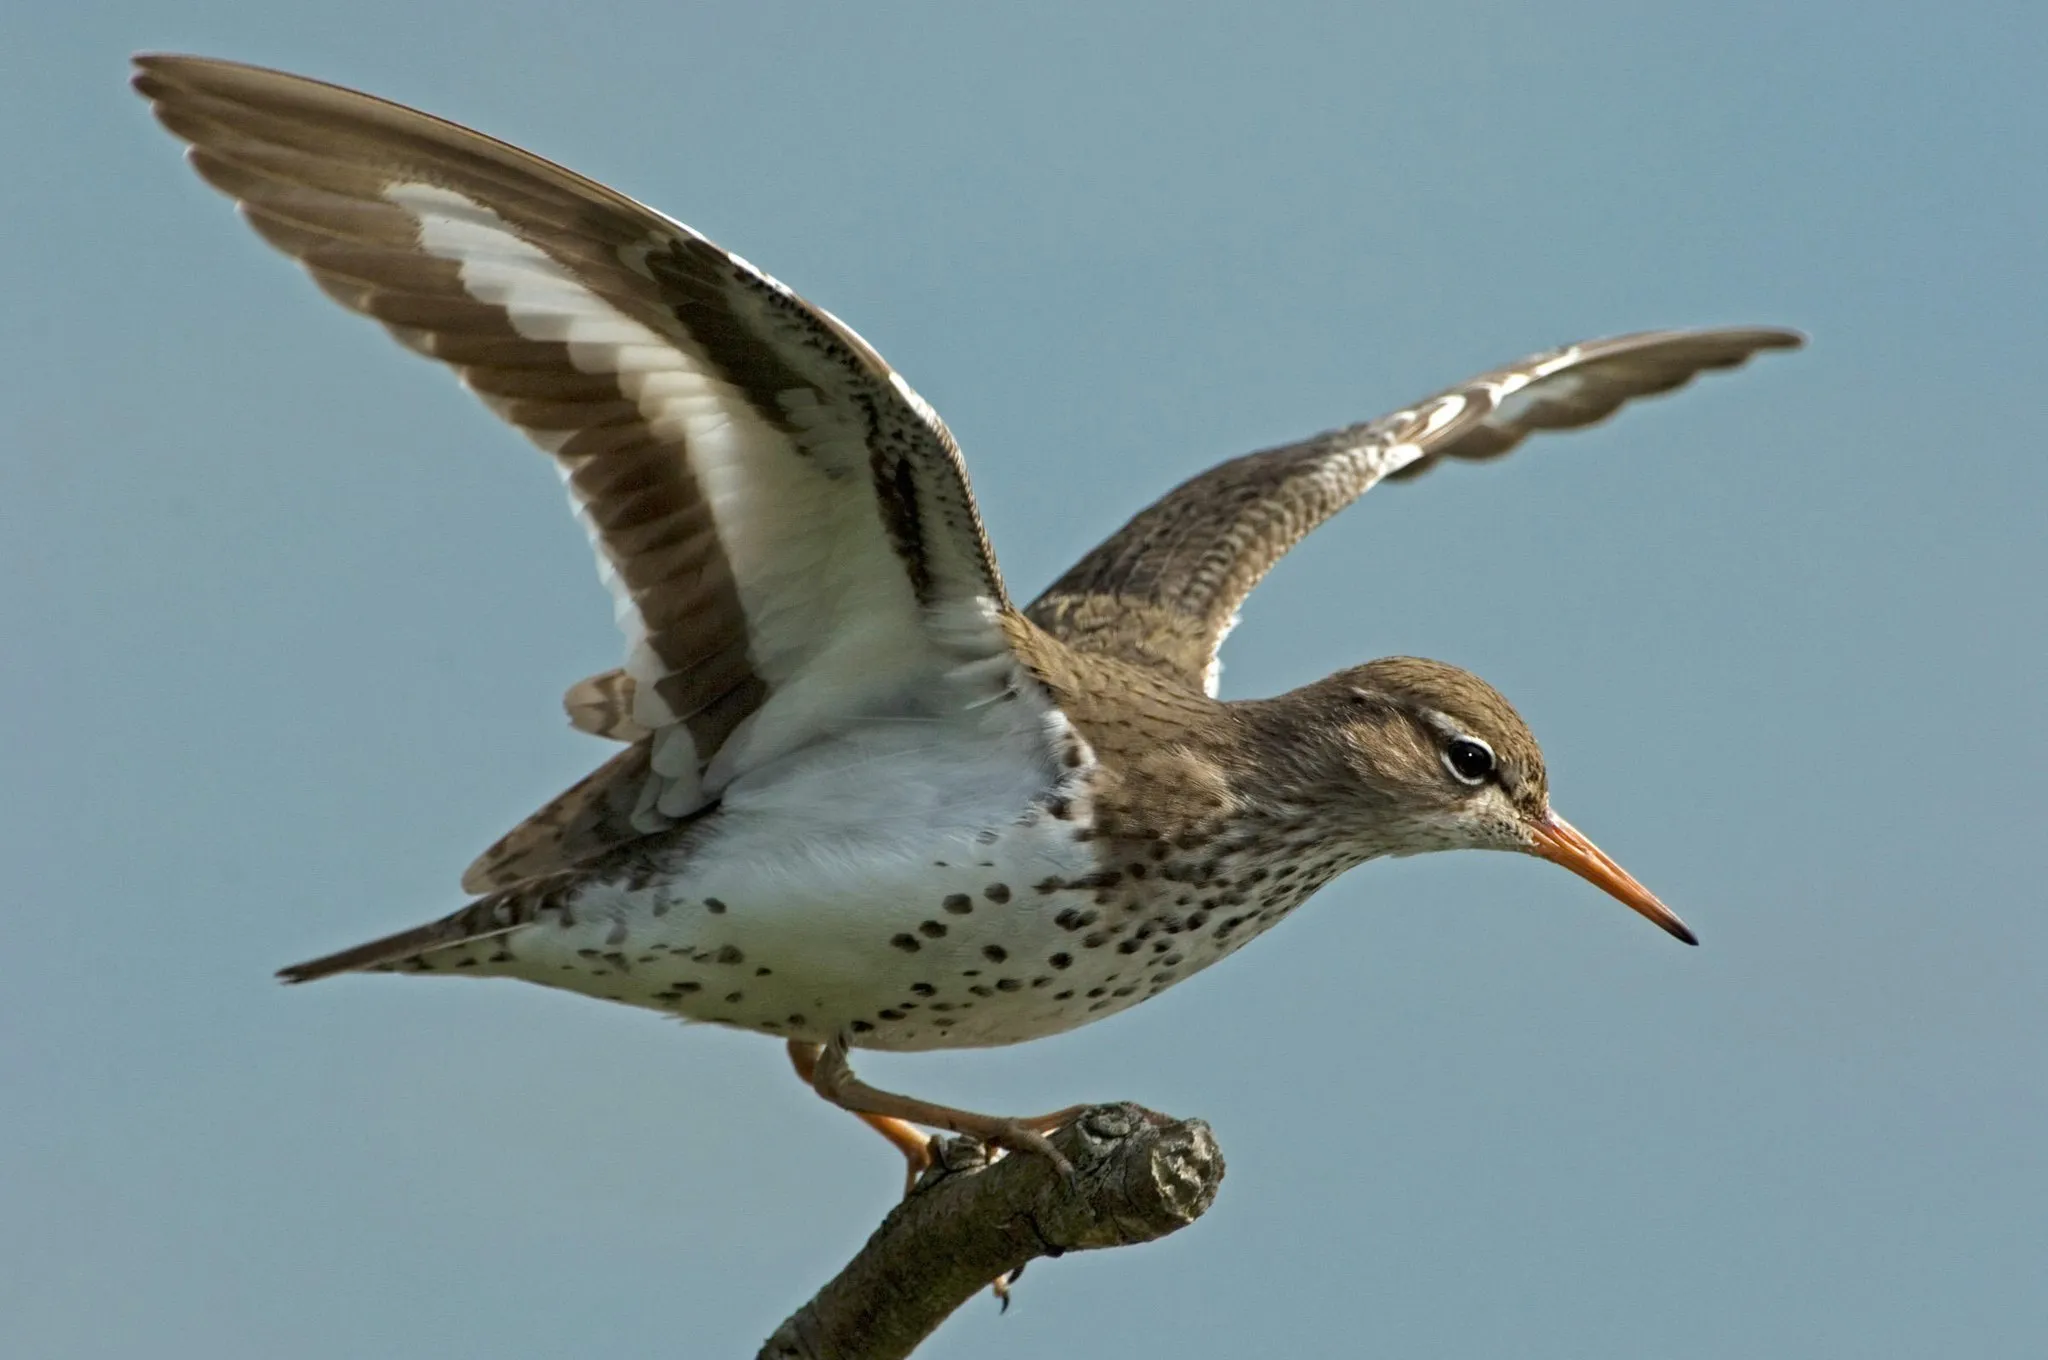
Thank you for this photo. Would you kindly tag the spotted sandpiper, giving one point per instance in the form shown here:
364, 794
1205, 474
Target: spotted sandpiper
864, 800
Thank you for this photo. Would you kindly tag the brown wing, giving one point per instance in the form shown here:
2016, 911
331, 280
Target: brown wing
1164, 590
786, 526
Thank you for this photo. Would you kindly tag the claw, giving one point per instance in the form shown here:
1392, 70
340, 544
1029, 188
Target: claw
1002, 1286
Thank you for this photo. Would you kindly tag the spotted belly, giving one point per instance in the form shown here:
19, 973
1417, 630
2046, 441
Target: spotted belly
968, 941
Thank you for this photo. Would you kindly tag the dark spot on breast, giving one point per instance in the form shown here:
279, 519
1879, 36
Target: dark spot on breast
860, 1027
714, 906
1061, 960
797, 1020
980, 990
958, 903
734, 998
729, 954
994, 953
1063, 996
1098, 991
1128, 947
1095, 939
907, 943
931, 929
997, 893
1008, 984
763, 972
922, 989
890, 1014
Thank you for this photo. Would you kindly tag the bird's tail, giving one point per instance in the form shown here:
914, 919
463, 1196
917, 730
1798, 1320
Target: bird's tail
394, 952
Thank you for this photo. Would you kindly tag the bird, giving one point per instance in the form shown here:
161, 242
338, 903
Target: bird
864, 801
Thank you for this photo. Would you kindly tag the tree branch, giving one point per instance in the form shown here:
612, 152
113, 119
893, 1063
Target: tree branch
970, 1221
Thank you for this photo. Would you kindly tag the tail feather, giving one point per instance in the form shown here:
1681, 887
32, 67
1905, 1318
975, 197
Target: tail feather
498, 913
392, 951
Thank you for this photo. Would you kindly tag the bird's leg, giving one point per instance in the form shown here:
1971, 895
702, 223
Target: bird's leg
915, 1146
832, 1077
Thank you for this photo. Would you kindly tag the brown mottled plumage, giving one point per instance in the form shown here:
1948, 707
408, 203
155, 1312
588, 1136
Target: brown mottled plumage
865, 801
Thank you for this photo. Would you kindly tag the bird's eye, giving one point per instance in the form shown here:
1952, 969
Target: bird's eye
1469, 760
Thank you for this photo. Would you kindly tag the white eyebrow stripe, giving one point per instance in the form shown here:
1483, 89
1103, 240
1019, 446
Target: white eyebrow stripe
1451, 727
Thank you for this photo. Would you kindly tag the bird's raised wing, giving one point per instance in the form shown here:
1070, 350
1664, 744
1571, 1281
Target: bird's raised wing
785, 525
1164, 590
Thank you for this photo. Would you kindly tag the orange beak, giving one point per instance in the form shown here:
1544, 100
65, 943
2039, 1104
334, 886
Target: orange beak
1558, 841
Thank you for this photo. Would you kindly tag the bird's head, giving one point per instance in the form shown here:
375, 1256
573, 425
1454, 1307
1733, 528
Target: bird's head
1443, 762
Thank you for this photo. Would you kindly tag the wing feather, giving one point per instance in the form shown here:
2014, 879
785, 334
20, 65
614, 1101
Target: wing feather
787, 528
1164, 590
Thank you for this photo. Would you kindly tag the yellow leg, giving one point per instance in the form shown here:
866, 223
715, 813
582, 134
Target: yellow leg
914, 1144
832, 1077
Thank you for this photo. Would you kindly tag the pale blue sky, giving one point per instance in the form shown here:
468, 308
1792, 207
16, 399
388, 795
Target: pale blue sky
286, 618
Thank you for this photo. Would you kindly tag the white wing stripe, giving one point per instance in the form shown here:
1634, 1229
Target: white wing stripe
832, 624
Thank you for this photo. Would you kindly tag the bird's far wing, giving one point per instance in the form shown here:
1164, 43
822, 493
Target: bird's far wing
785, 525
1164, 590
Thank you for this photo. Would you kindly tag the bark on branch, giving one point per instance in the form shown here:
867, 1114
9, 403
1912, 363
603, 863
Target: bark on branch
970, 1221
